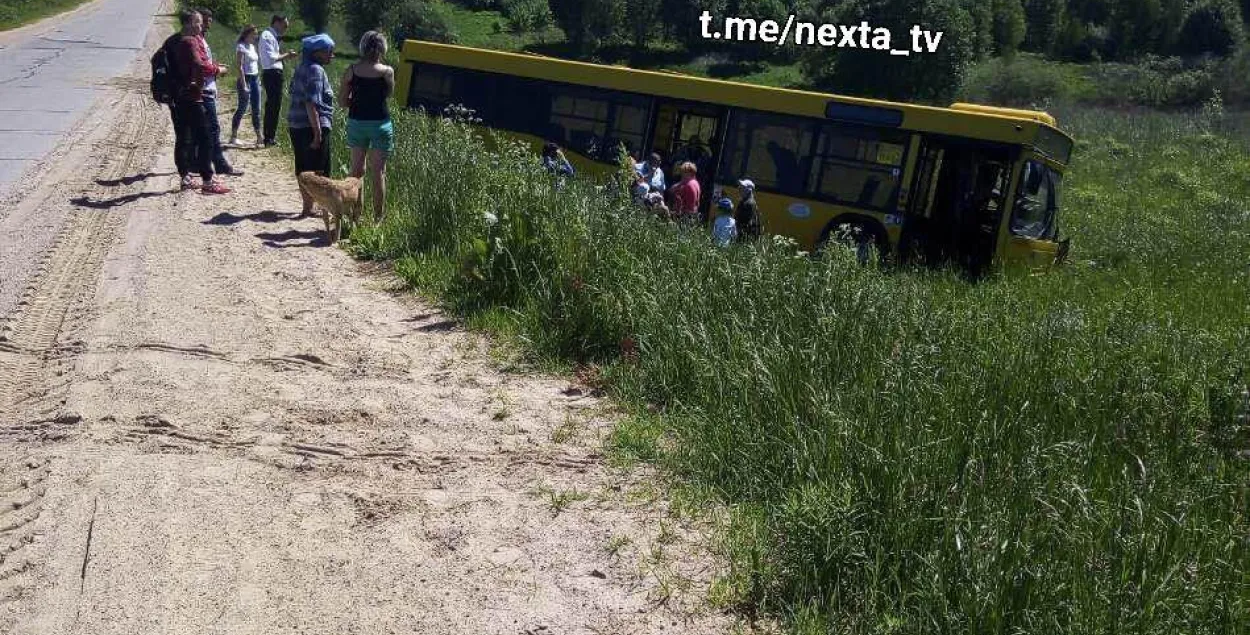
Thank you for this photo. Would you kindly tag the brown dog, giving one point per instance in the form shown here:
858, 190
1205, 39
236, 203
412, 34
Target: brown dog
337, 199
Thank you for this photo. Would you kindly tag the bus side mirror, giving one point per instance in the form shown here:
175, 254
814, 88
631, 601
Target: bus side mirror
1062, 254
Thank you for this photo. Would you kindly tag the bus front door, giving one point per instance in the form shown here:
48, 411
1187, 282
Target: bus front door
694, 133
956, 204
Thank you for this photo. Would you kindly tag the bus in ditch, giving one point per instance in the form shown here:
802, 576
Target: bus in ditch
975, 185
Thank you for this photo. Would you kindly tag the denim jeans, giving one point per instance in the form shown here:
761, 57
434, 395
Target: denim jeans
216, 154
249, 99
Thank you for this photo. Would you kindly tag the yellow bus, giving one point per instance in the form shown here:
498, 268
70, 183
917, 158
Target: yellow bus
972, 184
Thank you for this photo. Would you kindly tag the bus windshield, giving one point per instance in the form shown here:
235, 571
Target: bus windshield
1037, 202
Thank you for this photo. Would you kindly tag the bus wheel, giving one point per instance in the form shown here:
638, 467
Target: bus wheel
855, 235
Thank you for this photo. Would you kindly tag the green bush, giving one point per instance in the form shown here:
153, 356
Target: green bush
526, 15
361, 16
1025, 82
421, 20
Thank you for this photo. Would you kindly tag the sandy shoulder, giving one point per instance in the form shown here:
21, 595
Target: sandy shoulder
248, 432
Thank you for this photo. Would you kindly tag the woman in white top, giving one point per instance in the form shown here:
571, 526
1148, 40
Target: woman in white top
248, 61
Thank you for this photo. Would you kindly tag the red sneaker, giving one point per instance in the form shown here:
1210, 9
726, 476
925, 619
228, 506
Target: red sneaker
214, 188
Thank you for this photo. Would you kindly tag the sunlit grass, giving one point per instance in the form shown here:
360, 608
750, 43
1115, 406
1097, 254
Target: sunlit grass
902, 451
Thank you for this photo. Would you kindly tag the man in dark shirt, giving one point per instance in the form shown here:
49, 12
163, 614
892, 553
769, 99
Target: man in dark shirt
748, 213
191, 116
184, 169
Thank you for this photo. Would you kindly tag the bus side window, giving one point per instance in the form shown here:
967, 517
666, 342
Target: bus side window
859, 167
431, 87
770, 150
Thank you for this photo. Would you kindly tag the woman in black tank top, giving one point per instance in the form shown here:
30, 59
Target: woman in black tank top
366, 89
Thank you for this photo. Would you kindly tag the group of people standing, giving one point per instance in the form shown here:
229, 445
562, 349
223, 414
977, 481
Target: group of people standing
197, 142
366, 87
730, 224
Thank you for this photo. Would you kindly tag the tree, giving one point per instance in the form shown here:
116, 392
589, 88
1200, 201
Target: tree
982, 15
643, 18
361, 16
1134, 26
587, 23
1043, 21
1212, 27
681, 19
315, 13
1009, 26
933, 77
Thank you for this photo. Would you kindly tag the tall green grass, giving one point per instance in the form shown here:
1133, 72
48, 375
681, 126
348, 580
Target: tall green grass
902, 452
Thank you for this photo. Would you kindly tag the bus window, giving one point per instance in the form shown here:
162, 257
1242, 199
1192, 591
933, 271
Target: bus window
475, 91
1036, 203
629, 127
771, 150
859, 167
578, 123
596, 124
431, 87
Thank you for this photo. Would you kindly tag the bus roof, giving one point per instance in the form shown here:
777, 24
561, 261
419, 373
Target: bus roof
1004, 125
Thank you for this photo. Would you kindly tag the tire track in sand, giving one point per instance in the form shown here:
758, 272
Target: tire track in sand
67, 276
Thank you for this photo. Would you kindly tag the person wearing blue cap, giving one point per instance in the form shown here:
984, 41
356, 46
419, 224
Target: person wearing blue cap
312, 110
724, 228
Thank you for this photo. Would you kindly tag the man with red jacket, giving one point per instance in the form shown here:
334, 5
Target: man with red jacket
194, 69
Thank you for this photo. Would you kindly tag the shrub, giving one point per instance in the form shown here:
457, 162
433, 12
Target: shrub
422, 20
526, 15
1025, 82
1213, 27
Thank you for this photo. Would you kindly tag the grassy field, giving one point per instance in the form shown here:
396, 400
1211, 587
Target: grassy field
900, 451
15, 13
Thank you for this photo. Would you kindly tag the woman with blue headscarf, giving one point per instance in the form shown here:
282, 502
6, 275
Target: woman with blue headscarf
312, 110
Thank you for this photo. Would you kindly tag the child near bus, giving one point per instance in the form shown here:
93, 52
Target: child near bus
724, 228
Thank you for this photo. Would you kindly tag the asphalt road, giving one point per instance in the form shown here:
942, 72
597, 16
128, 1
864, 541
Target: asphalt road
52, 72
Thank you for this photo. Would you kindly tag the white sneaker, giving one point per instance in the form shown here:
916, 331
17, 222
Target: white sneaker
234, 141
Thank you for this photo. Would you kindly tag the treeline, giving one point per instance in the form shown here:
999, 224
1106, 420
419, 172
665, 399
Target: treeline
973, 31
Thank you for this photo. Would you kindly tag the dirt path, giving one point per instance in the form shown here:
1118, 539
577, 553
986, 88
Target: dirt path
211, 424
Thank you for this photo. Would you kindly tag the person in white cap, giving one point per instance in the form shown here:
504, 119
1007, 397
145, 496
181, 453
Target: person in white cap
748, 213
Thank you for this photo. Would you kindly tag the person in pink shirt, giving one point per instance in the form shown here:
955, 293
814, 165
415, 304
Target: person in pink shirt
686, 195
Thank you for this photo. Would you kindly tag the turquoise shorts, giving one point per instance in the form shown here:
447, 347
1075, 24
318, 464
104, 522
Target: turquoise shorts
371, 135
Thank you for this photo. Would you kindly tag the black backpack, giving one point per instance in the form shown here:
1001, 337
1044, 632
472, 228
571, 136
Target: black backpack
164, 74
